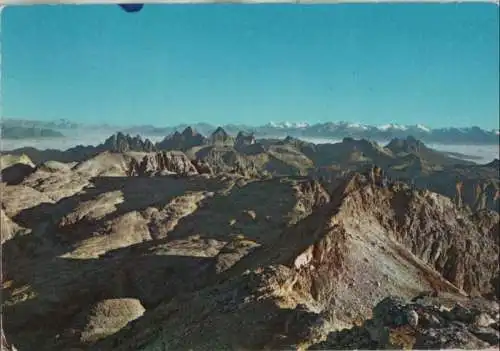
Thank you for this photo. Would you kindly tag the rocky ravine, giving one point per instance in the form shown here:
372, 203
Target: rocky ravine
142, 251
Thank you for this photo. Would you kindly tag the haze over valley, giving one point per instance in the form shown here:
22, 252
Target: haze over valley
477, 145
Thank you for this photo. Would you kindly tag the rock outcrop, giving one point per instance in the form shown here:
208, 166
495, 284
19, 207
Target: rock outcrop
220, 138
401, 324
244, 140
16, 173
165, 162
189, 138
410, 145
202, 167
415, 147
433, 229
118, 142
107, 317
7, 160
121, 142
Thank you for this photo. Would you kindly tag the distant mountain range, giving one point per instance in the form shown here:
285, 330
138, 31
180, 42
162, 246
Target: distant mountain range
19, 132
401, 158
62, 124
339, 130
190, 140
330, 130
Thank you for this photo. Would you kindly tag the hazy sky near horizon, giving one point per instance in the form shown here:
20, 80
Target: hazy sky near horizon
435, 64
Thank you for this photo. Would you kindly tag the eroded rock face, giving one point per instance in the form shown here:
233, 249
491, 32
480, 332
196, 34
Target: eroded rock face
432, 228
221, 138
163, 163
182, 141
121, 142
203, 167
488, 221
408, 145
397, 323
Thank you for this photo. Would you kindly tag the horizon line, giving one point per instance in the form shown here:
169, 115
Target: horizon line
269, 123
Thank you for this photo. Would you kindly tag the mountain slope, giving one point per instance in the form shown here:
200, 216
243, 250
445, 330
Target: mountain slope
349, 151
189, 138
413, 147
267, 299
222, 261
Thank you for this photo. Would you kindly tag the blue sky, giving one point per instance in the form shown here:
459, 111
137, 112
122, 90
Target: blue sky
433, 64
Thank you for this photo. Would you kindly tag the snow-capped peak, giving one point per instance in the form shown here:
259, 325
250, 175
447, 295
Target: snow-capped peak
287, 124
357, 126
423, 128
392, 126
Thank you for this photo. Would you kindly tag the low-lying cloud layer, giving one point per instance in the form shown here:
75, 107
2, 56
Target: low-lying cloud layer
478, 153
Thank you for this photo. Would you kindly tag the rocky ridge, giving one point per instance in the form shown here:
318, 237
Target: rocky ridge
203, 250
